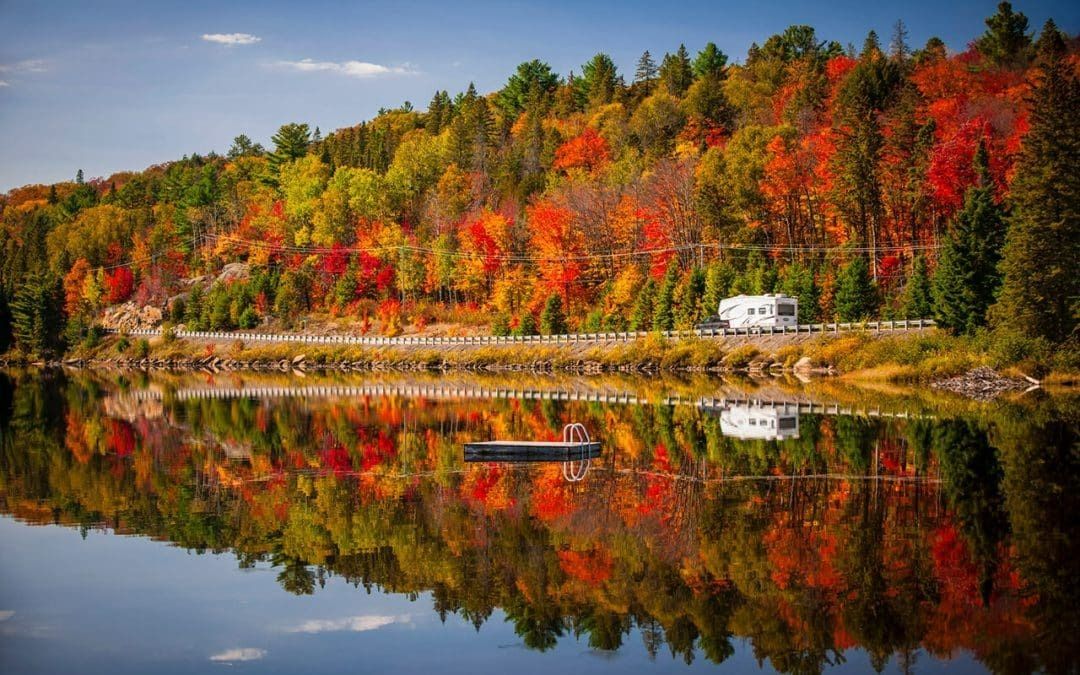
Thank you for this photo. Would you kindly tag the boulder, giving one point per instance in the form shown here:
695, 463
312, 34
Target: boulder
130, 316
234, 272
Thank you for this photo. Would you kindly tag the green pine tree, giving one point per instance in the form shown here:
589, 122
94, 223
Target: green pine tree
799, 282
290, 143
690, 293
718, 281
526, 324
676, 73
918, 299
36, 317
500, 324
856, 296
1006, 41
553, 318
967, 278
663, 309
1040, 293
642, 312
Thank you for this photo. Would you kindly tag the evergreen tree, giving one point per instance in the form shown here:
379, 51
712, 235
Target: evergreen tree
1006, 41
676, 73
526, 324
856, 296
710, 62
967, 278
691, 291
918, 299
646, 69
242, 146
799, 282
5, 322
1041, 289
663, 315
553, 318
718, 281
500, 324
599, 81
533, 79
290, 143
193, 308
642, 312
36, 318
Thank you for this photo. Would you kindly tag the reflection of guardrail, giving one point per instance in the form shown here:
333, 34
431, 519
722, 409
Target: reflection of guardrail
449, 392
569, 338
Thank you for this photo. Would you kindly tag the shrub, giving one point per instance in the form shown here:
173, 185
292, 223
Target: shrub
553, 319
526, 325
249, 318
1011, 347
142, 348
236, 348
740, 357
123, 344
500, 324
177, 310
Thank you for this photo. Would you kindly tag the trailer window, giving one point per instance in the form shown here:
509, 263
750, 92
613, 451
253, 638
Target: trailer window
785, 310
761, 310
788, 423
750, 311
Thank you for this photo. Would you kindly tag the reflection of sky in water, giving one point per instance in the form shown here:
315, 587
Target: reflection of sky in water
112, 604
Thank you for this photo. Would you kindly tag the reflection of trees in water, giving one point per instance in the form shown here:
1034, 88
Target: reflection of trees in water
657, 538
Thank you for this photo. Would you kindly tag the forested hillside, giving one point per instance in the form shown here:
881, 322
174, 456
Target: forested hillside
878, 180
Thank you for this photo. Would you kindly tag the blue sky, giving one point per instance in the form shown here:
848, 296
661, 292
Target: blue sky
108, 86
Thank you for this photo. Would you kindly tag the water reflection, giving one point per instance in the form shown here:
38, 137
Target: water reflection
809, 538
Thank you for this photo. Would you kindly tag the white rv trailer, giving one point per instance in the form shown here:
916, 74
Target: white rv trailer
759, 310
760, 422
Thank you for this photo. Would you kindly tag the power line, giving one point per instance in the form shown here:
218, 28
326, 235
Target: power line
736, 248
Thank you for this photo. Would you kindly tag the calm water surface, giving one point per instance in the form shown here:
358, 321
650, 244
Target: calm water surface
286, 524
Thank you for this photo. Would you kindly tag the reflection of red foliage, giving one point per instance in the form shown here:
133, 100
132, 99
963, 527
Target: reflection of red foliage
121, 439
377, 452
336, 458
551, 495
483, 483
592, 567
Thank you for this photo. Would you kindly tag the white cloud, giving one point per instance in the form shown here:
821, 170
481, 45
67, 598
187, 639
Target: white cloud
6, 614
25, 66
231, 39
240, 654
355, 624
4, 84
361, 69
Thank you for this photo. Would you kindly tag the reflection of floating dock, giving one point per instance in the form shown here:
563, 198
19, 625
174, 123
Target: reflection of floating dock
574, 451
530, 451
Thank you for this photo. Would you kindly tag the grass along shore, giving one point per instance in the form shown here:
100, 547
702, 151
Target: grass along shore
902, 358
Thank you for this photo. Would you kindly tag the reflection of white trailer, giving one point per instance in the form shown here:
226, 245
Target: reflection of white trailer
766, 423
759, 310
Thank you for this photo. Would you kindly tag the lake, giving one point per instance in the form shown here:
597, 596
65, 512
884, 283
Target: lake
298, 522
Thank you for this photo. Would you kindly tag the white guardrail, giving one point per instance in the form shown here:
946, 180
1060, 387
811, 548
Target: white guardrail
568, 338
